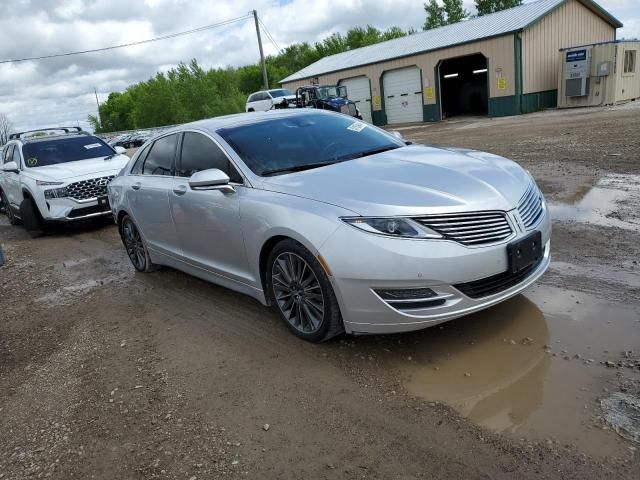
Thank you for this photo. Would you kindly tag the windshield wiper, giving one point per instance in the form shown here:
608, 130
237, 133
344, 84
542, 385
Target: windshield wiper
373, 151
109, 157
297, 168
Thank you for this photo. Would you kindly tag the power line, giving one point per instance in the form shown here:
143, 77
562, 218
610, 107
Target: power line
141, 42
266, 30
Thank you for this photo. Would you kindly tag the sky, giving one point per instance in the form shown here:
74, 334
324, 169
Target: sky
37, 94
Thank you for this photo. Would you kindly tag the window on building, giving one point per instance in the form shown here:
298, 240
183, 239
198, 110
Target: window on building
629, 61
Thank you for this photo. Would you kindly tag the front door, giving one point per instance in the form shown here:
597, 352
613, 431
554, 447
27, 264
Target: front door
11, 180
208, 221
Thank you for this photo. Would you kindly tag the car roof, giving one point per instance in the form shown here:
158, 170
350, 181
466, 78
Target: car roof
237, 119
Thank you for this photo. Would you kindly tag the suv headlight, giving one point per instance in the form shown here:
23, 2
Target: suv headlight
392, 226
56, 193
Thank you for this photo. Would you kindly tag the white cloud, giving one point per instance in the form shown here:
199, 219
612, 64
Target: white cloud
61, 90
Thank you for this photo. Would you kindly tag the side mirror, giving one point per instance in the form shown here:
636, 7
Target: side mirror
120, 150
211, 179
11, 167
399, 136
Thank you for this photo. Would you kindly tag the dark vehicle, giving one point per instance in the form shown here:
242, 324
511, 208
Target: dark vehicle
133, 140
326, 97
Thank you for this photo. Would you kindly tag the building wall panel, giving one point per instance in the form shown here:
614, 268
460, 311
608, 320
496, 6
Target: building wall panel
571, 24
499, 52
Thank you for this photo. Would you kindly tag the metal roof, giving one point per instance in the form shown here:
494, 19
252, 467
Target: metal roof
492, 25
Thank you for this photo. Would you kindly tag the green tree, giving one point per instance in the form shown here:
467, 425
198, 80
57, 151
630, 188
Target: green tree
451, 11
435, 15
490, 6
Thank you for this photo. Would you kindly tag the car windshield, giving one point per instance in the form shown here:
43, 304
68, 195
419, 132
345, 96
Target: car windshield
301, 142
332, 92
63, 150
279, 93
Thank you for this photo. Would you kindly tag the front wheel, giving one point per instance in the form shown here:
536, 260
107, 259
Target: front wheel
301, 291
31, 218
134, 244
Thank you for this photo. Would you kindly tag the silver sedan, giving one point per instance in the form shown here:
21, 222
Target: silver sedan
340, 225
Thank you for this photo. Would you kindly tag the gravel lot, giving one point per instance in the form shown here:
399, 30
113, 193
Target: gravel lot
106, 373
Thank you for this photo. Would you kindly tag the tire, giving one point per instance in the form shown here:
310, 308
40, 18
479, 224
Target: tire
305, 301
251, 110
31, 218
135, 246
13, 220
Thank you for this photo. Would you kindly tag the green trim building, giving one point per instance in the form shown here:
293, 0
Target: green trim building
505, 63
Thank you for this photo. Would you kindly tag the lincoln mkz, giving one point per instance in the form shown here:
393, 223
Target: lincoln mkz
340, 225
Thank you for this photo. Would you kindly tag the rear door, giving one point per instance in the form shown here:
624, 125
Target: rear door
403, 95
359, 91
149, 185
208, 221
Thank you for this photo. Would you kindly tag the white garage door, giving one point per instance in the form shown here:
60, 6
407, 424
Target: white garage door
359, 91
403, 95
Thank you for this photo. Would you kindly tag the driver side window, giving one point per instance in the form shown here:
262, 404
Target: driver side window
201, 153
16, 155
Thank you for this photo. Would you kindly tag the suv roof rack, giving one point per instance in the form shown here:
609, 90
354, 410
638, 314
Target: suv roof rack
16, 136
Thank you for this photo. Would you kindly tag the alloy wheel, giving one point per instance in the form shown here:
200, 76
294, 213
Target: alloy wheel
133, 244
298, 292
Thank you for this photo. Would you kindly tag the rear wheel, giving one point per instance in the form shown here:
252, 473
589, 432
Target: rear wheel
301, 291
13, 220
134, 244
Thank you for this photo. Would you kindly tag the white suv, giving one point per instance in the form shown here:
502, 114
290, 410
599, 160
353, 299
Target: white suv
268, 99
57, 177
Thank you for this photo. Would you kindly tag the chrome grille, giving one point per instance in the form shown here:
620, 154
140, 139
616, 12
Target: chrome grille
476, 228
349, 109
86, 189
530, 207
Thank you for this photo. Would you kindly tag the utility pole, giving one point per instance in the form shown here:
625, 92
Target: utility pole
264, 66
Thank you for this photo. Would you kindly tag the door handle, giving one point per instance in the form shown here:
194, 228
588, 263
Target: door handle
180, 190
136, 186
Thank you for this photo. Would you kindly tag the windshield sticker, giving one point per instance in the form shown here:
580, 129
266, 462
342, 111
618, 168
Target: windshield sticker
32, 162
93, 145
357, 126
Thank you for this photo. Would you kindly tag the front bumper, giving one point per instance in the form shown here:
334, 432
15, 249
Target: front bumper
363, 263
70, 210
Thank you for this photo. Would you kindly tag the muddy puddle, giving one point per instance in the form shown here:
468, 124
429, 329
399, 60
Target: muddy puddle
614, 201
533, 367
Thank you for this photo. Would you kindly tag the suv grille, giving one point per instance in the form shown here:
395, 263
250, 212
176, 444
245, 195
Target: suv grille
86, 189
477, 228
530, 207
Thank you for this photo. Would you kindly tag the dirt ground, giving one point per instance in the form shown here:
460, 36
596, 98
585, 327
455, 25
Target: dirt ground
110, 374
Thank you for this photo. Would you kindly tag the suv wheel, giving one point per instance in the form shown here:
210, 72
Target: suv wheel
301, 291
13, 220
31, 218
134, 244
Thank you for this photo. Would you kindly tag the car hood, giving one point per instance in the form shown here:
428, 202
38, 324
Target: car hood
412, 180
81, 168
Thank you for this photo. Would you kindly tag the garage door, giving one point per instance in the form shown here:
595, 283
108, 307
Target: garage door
359, 91
403, 95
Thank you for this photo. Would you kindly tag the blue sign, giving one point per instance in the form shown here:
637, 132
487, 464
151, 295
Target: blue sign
576, 56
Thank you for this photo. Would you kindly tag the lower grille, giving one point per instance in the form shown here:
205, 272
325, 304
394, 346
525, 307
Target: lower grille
475, 228
496, 283
81, 212
86, 189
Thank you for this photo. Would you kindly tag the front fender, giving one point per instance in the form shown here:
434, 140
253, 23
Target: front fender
267, 214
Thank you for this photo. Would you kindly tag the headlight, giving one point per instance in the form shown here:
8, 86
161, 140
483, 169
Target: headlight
42, 183
56, 193
395, 227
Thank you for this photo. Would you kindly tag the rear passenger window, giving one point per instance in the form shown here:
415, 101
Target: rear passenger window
252, 98
160, 158
201, 153
137, 168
